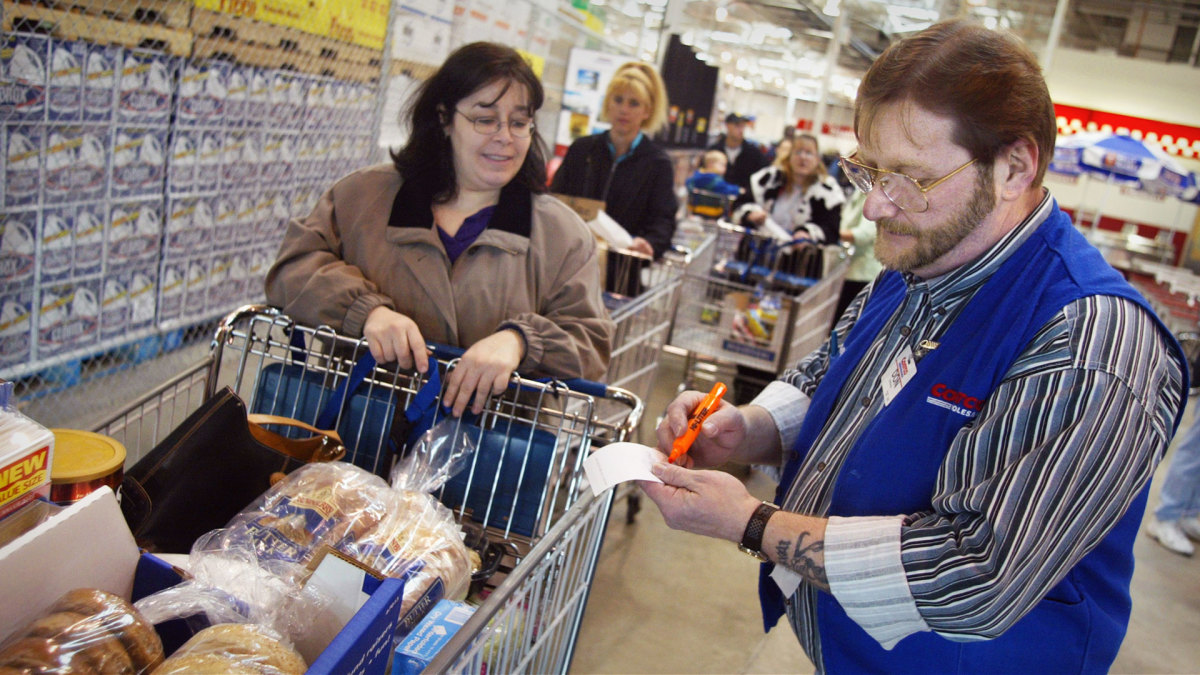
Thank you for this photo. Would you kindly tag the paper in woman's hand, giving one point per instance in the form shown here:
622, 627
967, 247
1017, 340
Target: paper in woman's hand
620, 462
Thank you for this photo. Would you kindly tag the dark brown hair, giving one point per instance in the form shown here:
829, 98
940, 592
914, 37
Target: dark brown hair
427, 158
987, 81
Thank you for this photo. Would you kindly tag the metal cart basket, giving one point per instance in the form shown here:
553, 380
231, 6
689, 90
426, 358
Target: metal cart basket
255, 347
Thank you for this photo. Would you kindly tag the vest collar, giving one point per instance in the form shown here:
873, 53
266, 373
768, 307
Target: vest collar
967, 278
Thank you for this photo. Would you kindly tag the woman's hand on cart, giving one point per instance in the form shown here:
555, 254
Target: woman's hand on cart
483, 370
722, 432
392, 336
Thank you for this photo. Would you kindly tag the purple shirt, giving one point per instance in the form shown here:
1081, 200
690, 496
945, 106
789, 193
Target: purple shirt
468, 232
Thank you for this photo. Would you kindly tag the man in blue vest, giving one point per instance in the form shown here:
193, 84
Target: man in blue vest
965, 462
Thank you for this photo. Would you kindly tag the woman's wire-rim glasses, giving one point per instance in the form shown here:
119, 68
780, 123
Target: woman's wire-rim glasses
489, 126
903, 190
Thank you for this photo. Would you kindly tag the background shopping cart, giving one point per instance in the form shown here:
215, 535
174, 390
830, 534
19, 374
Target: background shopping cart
548, 568
760, 305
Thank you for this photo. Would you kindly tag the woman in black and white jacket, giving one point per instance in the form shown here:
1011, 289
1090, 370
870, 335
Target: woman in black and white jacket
795, 197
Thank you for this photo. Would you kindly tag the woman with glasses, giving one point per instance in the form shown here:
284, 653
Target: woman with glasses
622, 167
455, 242
796, 197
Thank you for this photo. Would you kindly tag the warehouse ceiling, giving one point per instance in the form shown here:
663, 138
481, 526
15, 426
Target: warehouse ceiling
782, 45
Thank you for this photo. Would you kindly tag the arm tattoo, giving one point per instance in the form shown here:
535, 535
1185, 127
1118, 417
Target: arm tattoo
802, 558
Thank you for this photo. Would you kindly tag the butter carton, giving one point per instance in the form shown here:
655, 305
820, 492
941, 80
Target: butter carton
23, 77
17, 313
101, 69
23, 164
421, 645
68, 316
64, 85
139, 161
202, 93
18, 245
56, 243
90, 225
75, 163
144, 86
26, 449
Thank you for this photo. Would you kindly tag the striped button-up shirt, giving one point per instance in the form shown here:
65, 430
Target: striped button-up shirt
1068, 439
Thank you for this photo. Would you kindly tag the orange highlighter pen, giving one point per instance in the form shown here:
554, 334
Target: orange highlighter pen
684, 443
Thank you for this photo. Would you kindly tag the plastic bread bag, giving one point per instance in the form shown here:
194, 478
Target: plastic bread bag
235, 648
85, 630
443, 450
230, 583
254, 569
420, 542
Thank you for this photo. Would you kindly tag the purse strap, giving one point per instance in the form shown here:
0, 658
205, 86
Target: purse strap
322, 446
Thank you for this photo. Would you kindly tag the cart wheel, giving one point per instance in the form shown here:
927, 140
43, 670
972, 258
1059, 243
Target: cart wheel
633, 504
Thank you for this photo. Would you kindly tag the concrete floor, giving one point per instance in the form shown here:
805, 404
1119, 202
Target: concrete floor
670, 602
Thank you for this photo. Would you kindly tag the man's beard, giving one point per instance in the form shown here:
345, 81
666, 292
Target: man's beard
934, 241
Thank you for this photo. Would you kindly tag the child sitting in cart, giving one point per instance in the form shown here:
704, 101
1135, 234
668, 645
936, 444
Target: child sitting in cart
709, 176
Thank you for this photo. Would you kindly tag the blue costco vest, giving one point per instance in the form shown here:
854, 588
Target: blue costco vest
892, 469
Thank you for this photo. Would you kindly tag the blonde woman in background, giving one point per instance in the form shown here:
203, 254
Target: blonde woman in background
797, 197
622, 167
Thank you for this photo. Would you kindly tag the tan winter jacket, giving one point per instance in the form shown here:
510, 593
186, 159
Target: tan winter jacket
370, 242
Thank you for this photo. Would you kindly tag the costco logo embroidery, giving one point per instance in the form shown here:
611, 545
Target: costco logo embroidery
956, 402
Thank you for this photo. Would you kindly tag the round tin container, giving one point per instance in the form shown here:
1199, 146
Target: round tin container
83, 461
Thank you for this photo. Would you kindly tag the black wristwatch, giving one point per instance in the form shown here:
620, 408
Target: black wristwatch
752, 538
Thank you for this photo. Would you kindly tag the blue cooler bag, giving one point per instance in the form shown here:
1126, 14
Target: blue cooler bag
510, 468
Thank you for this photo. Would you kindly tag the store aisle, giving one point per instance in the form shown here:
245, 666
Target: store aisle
671, 602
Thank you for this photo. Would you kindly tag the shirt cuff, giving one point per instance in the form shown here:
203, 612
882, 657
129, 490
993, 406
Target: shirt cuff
866, 577
787, 406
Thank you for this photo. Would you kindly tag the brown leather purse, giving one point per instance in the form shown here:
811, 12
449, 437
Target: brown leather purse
213, 465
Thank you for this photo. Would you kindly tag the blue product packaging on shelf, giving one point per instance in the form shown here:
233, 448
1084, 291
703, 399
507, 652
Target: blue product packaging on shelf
23, 151
64, 80
16, 323
68, 317
23, 77
90, 224
18, 245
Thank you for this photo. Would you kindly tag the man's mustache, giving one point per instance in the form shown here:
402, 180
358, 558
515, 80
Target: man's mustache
894, 227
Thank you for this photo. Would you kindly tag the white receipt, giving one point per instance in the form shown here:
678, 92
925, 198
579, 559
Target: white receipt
619, 462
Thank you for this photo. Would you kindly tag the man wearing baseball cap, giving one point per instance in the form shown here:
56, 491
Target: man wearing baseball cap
745, 157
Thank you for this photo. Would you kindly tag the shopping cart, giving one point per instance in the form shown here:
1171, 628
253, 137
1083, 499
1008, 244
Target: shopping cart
643, 321
761, 305
255, 345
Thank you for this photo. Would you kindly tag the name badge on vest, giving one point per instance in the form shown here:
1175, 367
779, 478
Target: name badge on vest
903, 369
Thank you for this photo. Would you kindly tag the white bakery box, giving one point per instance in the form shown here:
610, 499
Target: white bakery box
88, 545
